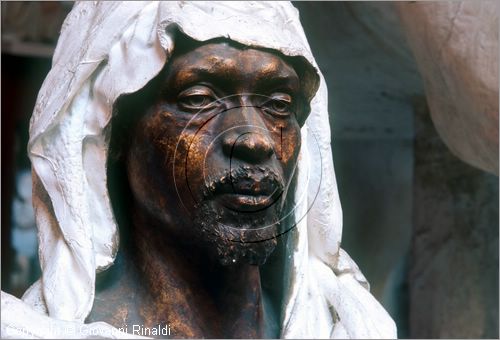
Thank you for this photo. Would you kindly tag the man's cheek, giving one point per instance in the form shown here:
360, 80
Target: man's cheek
196, 153
162, 148
288, 147
189, 159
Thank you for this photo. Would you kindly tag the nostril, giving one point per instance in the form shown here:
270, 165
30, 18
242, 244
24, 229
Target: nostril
248, 146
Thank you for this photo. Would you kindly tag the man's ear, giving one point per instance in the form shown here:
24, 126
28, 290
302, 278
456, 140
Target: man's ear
120, 127
309, 84
127, 111
303, 111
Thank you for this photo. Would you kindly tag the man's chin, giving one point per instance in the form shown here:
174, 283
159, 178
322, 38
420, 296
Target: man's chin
237, 238
234, 253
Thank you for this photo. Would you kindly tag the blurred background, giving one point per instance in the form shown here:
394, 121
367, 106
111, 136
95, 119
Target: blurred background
421, 224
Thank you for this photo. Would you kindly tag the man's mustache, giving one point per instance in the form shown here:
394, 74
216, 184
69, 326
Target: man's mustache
244, 179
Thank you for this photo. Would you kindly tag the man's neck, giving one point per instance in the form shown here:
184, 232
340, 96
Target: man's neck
192, 292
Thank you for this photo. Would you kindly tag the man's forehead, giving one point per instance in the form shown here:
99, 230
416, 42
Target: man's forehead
223, 59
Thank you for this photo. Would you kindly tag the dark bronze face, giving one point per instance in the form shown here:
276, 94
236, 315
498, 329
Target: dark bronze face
212, 158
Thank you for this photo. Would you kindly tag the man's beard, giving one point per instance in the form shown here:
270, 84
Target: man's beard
237, 237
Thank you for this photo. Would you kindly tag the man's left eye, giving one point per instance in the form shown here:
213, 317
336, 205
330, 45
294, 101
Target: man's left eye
279, 103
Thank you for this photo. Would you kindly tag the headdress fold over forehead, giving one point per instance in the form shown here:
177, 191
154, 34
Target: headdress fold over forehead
108, 49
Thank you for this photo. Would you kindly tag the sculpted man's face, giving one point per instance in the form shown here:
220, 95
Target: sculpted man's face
213, 157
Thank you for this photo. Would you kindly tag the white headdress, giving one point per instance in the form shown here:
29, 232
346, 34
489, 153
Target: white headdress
111, 48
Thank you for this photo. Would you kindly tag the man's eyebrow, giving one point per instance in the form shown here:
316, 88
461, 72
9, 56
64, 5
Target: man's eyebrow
195, 73
277, 74
266, 77
279, 80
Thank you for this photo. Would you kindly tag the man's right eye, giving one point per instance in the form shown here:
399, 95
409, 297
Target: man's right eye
197, 98
197, 101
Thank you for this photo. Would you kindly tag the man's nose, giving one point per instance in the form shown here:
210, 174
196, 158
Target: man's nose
251, 141
250, 146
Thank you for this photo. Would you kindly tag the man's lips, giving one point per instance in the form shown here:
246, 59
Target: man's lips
246, 203
246, 195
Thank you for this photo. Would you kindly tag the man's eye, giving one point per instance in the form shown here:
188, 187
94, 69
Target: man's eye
196, 99
280, 106
280, 103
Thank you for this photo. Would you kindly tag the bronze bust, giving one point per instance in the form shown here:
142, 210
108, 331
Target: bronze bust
210, 148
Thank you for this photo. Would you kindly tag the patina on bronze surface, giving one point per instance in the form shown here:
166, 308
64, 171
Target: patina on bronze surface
207, 152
